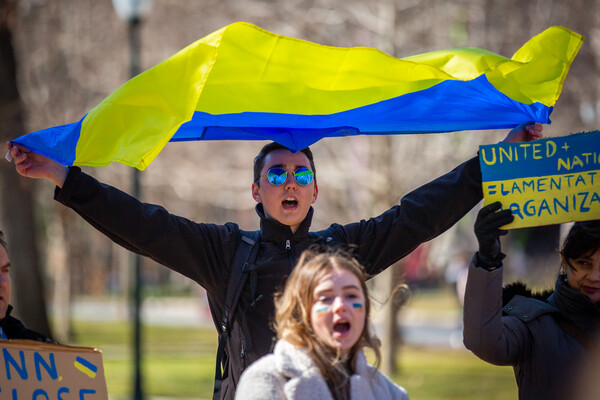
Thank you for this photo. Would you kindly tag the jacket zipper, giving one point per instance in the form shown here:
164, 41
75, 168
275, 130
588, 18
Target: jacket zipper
243, 338
288, 249
243, 352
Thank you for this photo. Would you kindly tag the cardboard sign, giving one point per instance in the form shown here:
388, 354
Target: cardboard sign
32, 370
547, 181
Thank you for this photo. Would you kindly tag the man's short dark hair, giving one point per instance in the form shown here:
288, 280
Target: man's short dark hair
259, 160
3, 241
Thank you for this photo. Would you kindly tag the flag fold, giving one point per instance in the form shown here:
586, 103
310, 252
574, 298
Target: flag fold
245, 83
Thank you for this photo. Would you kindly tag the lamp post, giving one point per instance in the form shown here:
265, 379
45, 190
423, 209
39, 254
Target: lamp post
132, 12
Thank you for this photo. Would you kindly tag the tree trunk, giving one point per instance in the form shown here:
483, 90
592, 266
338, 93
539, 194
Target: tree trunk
58, 257
16, 193
390, 339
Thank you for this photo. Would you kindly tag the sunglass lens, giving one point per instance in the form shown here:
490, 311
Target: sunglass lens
304, 176
277, 176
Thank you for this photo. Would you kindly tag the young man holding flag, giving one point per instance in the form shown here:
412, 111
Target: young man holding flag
285, 188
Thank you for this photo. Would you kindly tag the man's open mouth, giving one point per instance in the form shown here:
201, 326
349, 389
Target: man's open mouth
289, 203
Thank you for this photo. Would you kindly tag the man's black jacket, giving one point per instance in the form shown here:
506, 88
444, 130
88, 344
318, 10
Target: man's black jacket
14, 329
204, 252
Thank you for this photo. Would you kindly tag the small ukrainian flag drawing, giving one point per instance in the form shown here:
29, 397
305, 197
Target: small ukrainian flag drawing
86, 367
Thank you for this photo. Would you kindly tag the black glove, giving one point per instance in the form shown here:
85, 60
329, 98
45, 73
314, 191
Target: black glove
488, 232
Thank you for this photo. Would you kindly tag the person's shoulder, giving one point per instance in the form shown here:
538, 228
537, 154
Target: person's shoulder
261, 370
15, 329
394, 390
266, 362
524, 304
260, 380
379, 386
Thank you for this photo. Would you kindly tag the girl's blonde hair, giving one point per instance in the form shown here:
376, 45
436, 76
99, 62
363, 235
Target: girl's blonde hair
293, 316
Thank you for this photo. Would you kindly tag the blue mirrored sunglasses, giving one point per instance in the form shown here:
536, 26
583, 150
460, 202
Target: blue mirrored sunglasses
278, 176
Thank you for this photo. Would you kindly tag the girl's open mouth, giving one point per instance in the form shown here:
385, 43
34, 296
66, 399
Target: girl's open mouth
341, 327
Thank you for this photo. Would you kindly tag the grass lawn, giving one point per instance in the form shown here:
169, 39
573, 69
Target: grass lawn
179, 363
432, 374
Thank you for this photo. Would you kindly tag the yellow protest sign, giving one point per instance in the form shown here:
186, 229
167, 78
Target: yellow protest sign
32, 370
548, 181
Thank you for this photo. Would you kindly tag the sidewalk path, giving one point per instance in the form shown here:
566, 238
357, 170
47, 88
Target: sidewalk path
419, 327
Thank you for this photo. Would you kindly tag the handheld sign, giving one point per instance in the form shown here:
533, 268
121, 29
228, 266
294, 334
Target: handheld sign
32, 370
548, 181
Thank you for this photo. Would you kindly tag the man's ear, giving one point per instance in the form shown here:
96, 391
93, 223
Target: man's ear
256, 193
316, 193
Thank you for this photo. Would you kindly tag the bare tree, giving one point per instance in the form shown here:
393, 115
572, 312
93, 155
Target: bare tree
16, 194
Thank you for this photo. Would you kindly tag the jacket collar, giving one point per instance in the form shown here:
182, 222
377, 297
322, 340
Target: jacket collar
304, 380
274, 231
578, 307
293, 361
8, 311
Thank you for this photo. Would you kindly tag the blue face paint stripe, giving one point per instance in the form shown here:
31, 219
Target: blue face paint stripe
323, 309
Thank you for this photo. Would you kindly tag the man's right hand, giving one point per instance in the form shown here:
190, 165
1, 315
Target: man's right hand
34, 165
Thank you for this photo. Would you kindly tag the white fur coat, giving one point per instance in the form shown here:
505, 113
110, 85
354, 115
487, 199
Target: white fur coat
290, 374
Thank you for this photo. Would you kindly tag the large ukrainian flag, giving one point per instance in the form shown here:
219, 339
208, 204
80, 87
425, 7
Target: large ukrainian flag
244, 83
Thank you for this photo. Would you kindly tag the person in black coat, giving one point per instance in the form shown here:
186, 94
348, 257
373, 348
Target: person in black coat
10, 327
548, 338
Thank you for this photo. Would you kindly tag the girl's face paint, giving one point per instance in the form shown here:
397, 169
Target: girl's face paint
322, 311
337, 314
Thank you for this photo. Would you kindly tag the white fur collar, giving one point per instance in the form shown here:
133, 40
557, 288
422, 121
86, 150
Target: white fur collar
304, 380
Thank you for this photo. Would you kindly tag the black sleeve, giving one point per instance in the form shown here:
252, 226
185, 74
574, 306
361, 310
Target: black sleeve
199, 251
423, 214
14, 329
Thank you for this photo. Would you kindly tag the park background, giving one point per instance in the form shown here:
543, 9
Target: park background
59, 58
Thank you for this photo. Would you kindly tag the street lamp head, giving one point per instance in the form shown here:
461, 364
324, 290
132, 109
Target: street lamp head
132, 10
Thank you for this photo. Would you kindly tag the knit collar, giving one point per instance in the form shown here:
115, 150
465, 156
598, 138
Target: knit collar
8, 311
274, 231
576, 305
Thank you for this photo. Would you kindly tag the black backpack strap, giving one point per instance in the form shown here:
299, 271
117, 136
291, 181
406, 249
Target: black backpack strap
241, 265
